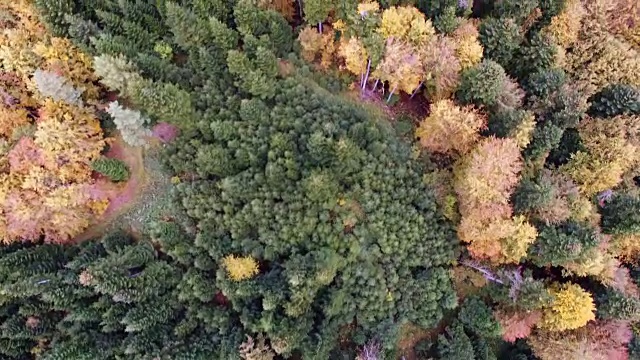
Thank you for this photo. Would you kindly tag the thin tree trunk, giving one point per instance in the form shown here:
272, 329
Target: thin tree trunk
361, 80
375, 85
391, 93
320, 27
366, 78
416, 90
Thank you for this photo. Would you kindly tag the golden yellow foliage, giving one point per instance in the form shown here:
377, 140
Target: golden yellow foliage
565, 27
499, 240
367, 7
47, 190
11, 119
469, 52
468, 48
626, 246
515, 246
612, 148
591, 173
401, 67
450, 128
571, 308
618, 17
487, 175
240, 268
354, 54
28, 47
328, 49
523, 132
406, 23
599, 59
441, 68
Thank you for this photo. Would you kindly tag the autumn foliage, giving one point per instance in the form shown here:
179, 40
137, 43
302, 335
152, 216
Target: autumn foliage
450, 128
45, 184
308, 226
572, 308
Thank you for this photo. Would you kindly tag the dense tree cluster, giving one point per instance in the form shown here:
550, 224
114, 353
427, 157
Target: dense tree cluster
310, 229
49, 132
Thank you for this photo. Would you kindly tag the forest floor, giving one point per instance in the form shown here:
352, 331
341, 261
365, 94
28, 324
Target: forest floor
141, 199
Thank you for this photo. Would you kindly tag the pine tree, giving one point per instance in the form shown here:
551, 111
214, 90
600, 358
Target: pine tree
500, 39
620, 215
482, 84
615, 99
114, 169
456, 345
478, 318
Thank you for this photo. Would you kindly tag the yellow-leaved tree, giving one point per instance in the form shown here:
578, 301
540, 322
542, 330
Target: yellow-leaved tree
468, 48
450, 128
565, 27
572, 307
599, 59
612, 147
240, 268
484, 180
356, 57
406, 23
401, 67
311, 42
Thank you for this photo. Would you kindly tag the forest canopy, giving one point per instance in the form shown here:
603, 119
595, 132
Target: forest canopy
319, 179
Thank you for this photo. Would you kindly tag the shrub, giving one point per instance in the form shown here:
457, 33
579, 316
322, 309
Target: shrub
482, 84
113, 169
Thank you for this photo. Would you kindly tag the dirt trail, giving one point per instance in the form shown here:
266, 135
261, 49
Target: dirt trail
121, 197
